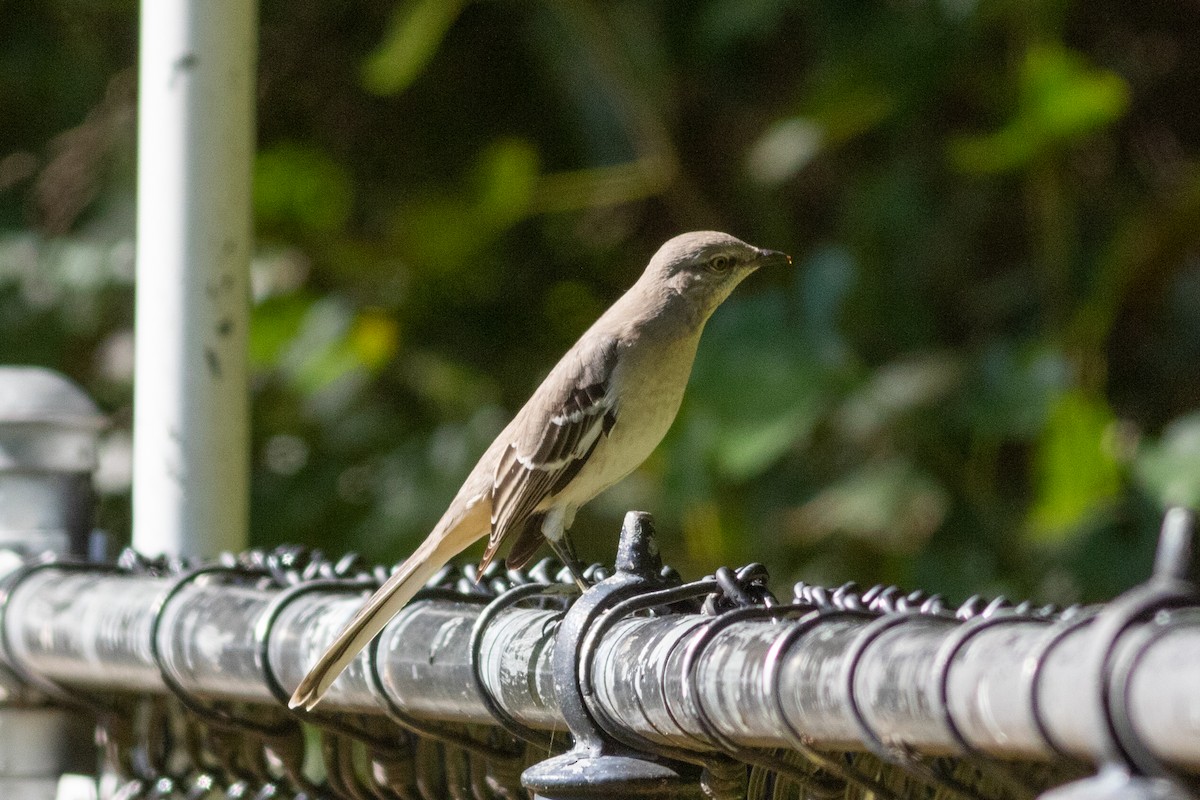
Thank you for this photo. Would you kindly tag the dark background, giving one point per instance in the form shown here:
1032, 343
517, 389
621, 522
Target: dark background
981, 375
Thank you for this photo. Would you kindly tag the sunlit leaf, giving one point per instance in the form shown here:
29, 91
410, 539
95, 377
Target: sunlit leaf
508, 172
1061, 100
273, 325
301, 185
416, 30
374, 338
1077, 471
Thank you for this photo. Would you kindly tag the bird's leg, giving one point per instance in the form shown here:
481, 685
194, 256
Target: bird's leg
554, 528
565, 552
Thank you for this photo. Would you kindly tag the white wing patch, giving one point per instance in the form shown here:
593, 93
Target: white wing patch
543, 459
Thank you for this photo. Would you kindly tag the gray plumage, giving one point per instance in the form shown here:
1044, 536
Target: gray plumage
602, 409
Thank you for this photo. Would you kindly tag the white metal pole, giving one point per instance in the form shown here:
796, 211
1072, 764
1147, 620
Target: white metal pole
195, 146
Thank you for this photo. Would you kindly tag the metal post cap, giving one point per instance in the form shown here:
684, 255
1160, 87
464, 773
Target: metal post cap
47, 423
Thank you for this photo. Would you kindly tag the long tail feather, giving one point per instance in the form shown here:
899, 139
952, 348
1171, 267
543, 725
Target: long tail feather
432, 555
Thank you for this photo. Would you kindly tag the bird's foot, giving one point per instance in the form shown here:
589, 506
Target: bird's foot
565, 552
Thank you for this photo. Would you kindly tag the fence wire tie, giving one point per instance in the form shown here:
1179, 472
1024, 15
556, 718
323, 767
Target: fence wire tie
445, 734
556, 593
211, 713
1035, 665
327, 724
943, 664
672, 595
693, 697
238, 741
898, 755
103, 707
772, 682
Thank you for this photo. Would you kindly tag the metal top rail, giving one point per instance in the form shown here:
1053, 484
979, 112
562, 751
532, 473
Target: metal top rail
642, 663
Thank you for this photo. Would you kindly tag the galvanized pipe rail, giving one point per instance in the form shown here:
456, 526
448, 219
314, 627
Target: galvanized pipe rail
1016, 686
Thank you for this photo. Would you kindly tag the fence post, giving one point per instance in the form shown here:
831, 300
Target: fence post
48, 439
191, 412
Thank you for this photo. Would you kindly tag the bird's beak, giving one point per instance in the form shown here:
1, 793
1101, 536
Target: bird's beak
773, 258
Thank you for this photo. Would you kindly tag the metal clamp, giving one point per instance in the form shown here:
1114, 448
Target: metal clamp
1168, 588
1127, 766
597, 765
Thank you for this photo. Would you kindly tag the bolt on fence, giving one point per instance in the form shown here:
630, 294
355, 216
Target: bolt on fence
511, 683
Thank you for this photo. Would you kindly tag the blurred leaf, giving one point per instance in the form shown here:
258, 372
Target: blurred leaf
1061, 100
297, 184
273, 324
316, 355
508, 173
448, 386
329, 346
1077, 472
891, 504
896, 389
1011, 388
1169, 468
756, 388
416, 30
374, 338
723, 24
784, 149
853, 108
445, 231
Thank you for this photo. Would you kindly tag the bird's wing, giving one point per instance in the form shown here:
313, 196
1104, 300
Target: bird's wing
559, 430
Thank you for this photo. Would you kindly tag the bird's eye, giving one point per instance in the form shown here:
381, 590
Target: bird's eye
720, 263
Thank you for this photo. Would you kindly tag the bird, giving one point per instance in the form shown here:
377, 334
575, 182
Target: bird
598, 414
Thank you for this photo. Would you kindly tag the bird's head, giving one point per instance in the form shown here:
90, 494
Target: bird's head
703, 267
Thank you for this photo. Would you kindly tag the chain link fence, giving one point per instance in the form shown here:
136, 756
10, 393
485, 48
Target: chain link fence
511, 683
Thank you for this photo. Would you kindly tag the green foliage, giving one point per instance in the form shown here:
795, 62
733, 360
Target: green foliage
1060, 101
414, 33
1077, 473
980, 376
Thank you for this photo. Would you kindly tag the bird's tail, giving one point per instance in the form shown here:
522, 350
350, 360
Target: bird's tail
444, 543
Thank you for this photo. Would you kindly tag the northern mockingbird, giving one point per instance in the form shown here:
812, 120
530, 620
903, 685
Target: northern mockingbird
602, 409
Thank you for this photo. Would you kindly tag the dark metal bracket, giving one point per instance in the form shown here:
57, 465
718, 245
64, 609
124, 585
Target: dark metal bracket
1128, 770
598, 766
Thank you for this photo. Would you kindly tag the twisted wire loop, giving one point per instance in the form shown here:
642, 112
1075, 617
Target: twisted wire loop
970, 773
234, 745
1014, 782
472, 760
539, 593
740, 596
